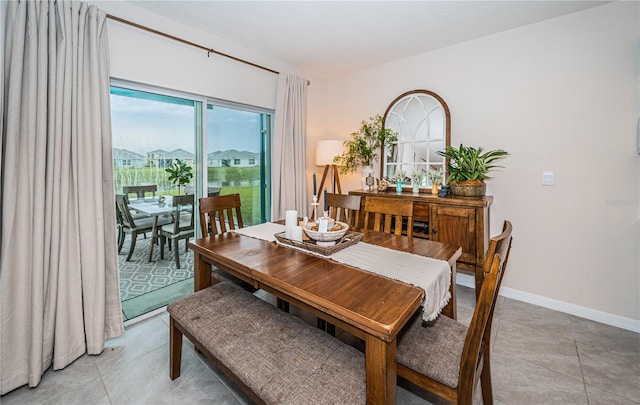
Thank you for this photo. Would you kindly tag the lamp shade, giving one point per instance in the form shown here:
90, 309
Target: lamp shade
326, 150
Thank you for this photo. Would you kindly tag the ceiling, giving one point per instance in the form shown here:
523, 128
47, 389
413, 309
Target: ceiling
334, 38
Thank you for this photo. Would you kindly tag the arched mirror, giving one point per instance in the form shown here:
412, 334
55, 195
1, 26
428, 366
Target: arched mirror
423, 123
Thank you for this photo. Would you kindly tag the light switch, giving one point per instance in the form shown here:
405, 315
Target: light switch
547, 178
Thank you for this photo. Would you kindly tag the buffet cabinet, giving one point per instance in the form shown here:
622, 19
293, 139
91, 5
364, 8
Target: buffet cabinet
459, 221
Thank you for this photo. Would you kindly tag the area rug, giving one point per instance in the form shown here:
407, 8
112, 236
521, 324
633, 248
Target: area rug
139, 277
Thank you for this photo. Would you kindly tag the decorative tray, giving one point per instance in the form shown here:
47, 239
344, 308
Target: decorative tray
350, 238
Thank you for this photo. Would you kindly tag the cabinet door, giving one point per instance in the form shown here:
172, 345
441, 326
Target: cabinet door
456, 226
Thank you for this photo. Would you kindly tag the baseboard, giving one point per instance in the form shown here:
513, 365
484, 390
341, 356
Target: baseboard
572, 309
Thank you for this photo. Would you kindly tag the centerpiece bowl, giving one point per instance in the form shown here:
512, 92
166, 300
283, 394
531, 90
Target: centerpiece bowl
336, 231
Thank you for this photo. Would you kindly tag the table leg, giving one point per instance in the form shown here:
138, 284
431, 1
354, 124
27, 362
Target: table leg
154, 236
201, 272
380, 363
450, 310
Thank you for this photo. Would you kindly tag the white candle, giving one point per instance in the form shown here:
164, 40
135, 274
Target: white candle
291, 218
296, 233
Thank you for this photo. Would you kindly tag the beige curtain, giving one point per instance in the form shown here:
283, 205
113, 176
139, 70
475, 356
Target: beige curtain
58, 258
288, 172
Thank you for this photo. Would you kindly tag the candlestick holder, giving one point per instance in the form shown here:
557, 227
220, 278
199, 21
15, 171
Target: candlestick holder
314, 206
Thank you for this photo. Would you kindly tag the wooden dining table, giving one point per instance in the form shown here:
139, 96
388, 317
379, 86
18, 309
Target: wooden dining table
364, 304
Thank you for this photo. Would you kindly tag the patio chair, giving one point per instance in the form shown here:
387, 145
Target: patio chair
128, 224
140, 190
182, 227
448, 358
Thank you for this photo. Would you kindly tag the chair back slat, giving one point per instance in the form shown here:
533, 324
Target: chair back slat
389, 215
344, 208
217, 214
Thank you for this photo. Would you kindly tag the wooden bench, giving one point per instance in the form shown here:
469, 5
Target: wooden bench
273, 356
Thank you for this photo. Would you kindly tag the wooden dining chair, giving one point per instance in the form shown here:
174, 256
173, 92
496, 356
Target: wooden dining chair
128, 224
344, 208
217, 214
496, 244
447, 357
182, 227
388, 214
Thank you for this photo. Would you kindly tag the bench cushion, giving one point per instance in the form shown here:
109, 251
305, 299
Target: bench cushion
282, 359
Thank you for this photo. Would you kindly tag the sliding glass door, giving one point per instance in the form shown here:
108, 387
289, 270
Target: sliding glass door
237, 159
226, 145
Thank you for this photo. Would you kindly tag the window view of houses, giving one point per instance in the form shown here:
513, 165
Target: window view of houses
225, 168
152, 131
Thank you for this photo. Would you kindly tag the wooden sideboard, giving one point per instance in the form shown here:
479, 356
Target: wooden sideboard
460, 221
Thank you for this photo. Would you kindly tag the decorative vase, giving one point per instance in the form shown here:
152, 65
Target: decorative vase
434, 189
416, 187
399, 186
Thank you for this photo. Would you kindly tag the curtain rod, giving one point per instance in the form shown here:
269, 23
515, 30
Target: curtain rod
209, 50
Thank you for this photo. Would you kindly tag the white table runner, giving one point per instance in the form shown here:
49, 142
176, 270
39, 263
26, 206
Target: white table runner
432, 275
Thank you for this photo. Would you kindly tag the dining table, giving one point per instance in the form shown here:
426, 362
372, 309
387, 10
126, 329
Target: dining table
367, 305
153, 208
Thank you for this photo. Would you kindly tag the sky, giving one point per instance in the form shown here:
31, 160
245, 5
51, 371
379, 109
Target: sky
142, 125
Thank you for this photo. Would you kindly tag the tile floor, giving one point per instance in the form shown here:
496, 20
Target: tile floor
540, 357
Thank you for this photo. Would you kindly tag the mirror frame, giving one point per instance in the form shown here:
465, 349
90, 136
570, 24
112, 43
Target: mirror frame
447, 114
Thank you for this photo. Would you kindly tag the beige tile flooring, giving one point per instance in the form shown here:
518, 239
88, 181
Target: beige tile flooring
540, 356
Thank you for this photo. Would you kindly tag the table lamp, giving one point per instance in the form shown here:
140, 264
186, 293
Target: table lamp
326, 151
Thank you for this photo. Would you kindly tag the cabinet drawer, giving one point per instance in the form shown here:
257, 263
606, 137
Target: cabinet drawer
420, 212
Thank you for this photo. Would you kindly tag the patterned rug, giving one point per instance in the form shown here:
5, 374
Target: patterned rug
139, 277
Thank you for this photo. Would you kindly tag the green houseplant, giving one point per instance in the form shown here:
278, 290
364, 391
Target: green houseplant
179, 173
362, 149
468, 168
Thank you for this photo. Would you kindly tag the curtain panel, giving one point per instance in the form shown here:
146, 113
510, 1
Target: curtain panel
58, 259
288, 183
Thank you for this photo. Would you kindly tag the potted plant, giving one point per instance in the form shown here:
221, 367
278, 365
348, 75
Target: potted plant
179, 173
416, 180
468, 168
435, 176
362, 149
400, 178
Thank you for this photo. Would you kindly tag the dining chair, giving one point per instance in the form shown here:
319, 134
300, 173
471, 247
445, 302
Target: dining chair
128, 224
182, 227
448, 358
344, 208
388, 214
217, 214
140, 190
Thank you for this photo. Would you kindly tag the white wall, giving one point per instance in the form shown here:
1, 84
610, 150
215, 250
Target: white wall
559, 95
